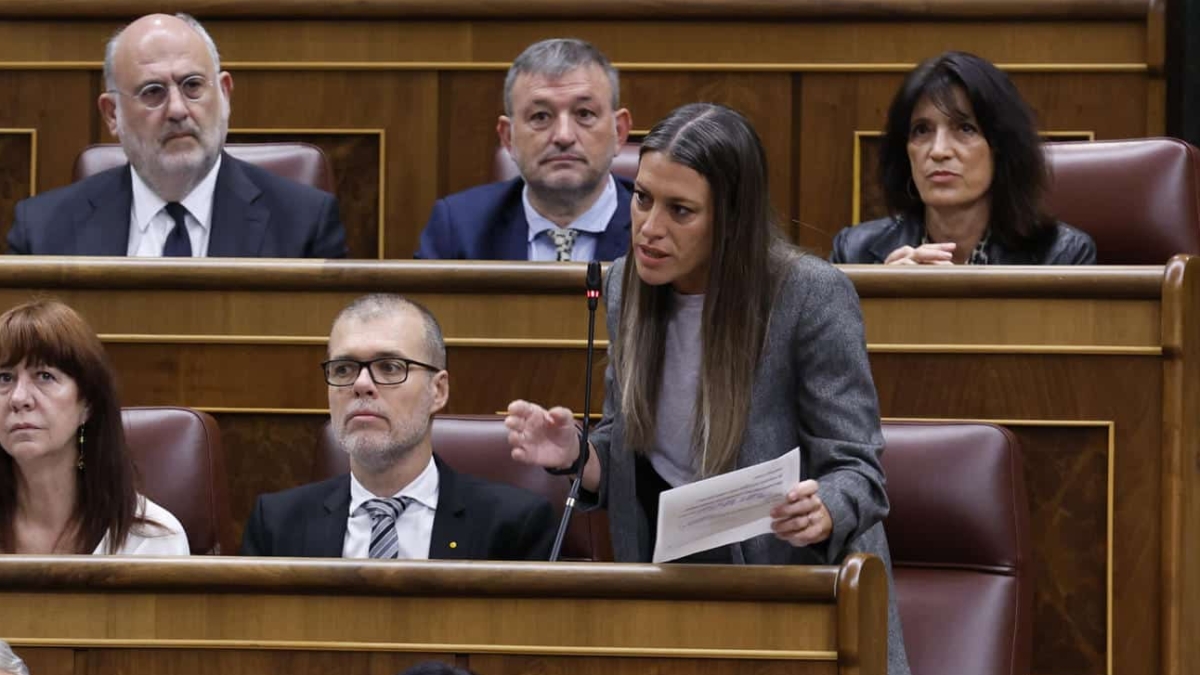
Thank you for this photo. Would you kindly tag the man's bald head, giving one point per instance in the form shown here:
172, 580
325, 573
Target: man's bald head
167, 100
156, 22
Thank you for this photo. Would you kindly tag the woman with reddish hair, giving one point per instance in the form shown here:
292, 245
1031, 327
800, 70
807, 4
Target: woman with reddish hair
66, 479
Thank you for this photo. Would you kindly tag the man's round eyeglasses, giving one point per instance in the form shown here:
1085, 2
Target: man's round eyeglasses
156, 94
386, 370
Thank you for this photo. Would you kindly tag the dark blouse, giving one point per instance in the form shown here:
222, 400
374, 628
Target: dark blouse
871, 242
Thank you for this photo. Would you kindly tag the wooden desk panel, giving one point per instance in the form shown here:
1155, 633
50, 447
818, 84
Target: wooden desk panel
185, 616
1094, 369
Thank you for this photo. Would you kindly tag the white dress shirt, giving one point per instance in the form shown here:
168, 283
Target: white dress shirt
590, 224
149, 223
165, 538
414, 527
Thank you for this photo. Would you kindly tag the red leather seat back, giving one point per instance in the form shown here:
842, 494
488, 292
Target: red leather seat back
959, 536
478, 445
625, 164
1138, 199
301, 162
181, 466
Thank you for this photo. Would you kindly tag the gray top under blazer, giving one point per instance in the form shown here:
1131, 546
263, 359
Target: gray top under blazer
812, 388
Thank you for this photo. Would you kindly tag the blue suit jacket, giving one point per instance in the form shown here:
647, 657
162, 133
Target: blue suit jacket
255, 214
488, 223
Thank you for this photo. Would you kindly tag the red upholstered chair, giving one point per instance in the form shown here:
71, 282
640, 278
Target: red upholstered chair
960, 542
478, 445
181, 466
301, 162
1138, 199
625, 164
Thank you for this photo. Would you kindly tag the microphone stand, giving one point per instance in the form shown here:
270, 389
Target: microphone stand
593, 296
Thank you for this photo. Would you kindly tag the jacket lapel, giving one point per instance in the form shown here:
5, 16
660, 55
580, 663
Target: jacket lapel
238, 221
512, 240
901, 231
325, 534
614, 241
103, 228
450, 539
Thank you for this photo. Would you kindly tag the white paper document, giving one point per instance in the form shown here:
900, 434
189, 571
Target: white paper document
723, 509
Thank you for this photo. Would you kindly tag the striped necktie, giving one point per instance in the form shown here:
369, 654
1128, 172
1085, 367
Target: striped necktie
564, 241
384, 513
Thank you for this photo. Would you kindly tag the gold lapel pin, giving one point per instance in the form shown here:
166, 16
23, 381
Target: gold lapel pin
454, 544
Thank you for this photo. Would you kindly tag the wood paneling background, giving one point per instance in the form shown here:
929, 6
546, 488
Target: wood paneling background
1094, 369
423, 82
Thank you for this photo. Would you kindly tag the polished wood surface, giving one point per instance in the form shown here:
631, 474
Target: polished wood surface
1094, 369
170, 616
1080, 9
404, 94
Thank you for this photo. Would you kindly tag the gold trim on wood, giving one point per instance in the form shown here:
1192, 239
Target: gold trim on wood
33, 153
1110, 492
856, 187
381, 133
1081, 350
218, 410
547, 650
802, 67
497, 343
1052, 135
134, 338
546, 343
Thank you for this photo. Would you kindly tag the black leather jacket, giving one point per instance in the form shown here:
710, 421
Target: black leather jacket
870, 243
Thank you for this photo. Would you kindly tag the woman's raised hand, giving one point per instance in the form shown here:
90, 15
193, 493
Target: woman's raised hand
543, 437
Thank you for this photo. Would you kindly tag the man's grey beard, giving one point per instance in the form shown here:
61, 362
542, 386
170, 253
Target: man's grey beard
372, 457
176, 180
379, 456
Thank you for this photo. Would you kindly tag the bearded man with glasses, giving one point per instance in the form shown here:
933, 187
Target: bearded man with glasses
167, 100
386, 372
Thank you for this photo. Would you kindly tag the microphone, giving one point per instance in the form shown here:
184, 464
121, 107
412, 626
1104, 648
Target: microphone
592, 285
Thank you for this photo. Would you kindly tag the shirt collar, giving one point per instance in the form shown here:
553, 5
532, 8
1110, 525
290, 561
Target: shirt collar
147, 204
594, 220
423, 489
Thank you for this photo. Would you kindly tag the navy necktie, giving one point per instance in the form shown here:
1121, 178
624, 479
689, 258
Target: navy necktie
178, 243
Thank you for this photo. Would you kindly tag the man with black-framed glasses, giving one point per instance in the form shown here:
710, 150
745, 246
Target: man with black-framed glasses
386, 374
168, 101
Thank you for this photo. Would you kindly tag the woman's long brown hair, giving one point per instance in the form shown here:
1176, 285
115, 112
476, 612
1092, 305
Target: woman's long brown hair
746, 263
49, 333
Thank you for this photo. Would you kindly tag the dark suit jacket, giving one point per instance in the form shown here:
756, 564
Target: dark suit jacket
255, 214
484, 521
871, 242
488, 223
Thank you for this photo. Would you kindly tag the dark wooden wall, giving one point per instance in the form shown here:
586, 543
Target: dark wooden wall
403, 94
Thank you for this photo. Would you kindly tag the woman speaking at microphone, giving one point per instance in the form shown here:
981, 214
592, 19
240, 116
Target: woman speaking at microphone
728, 347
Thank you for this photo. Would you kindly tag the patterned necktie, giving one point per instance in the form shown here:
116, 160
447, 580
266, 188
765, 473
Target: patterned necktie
178, 243
384, 513
564, 240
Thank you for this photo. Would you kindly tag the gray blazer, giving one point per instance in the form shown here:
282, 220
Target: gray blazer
813, 388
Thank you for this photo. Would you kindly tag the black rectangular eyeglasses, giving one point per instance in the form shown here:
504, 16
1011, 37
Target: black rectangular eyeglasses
384, 370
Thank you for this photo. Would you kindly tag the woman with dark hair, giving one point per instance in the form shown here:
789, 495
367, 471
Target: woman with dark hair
963, 174
728, 347
66, 480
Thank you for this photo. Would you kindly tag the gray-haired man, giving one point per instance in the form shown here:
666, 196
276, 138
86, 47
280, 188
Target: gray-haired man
563, 127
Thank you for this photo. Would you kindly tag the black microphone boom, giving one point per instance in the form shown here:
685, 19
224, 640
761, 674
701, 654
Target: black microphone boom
593, 284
